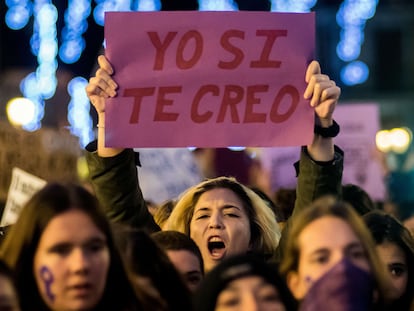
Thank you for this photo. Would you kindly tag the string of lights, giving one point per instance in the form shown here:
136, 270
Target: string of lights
41, 84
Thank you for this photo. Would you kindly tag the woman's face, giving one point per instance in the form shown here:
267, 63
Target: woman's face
71, 262
322, 244
220, 226
249, 293
396, 263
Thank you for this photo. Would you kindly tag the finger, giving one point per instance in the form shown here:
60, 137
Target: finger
313, 68
99, 87
105, 76
104, 64
332, 92
318, 89
317, 78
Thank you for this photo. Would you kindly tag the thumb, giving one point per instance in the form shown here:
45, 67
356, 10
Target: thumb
313, 68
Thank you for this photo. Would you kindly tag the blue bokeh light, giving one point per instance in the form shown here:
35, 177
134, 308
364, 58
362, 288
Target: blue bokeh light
354, 73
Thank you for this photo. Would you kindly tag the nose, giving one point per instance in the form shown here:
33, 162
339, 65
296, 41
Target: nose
249, 302
79, 261
216, 221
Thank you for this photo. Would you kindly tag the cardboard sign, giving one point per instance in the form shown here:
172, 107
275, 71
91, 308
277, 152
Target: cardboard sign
23, 186
47, 153
209, 79
359, 124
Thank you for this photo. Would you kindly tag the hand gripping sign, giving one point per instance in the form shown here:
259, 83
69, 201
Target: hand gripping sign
209, 79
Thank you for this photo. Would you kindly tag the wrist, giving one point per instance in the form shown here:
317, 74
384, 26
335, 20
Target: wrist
325, 130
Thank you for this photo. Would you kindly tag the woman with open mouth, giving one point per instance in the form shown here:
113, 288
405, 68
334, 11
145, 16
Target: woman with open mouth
223, 216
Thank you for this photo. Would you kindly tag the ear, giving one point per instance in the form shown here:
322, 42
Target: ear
295, 285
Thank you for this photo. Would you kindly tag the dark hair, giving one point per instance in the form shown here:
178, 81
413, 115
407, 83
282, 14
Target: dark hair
358, 198
387, 228
284, 199
237, 267
20, 245
174, 240
146, 259
7, 272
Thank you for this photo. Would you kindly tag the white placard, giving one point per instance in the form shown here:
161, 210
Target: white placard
23, 185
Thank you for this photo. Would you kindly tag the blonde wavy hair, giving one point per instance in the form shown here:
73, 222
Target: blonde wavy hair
265, 231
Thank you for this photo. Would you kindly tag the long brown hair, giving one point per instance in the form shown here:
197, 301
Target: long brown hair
330, 206
19, 247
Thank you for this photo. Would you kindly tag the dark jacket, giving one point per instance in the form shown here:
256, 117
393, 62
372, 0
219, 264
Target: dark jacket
115, 181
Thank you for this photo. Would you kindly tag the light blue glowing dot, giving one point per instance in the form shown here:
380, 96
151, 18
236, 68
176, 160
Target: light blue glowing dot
356, 72
147, 5
70, 51
217, 5
28, 86
17, 17
98, 14
348, 51
47, 15
75, 84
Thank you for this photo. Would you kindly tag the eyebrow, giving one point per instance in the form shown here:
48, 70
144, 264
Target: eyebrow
224, 207
353, 245
65, 243
349, 247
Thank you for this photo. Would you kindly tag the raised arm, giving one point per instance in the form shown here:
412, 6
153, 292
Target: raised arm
320, 167
99, 88
323, 94
113, 171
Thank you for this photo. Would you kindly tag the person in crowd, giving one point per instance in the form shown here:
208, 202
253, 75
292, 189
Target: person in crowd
244, 282
63, 254
330, 261
184, 254
215, 204
395, 247
360, 200
409, 224
152, 269
163, 212
284, 199
9, 299
225, 218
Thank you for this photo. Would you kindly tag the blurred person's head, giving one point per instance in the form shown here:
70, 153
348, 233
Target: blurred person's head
360, 200
395, 247
243, 282
153, 270
184, 254
329, 247
163, 212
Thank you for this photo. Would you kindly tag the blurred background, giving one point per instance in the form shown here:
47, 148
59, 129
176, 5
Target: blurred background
48, 51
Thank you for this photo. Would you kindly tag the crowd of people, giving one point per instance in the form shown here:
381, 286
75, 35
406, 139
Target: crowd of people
220, 245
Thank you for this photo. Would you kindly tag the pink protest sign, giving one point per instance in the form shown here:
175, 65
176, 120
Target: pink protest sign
209, 79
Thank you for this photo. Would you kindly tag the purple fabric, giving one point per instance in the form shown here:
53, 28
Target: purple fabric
345, 287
